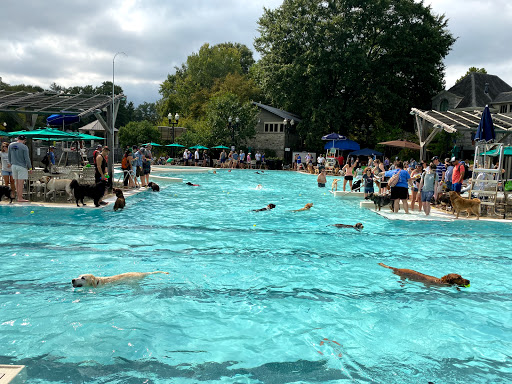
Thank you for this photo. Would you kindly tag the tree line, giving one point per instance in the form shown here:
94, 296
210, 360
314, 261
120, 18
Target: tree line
355, 67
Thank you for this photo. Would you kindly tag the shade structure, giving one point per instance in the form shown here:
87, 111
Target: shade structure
46, 133
366, 152
61, 120
198, 147
401, 144
176, 145
334, 136
220, 147
507, 151
154, 144
485, 131
75, 137
343, 145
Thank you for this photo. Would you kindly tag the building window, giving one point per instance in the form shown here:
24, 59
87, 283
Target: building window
273, 127
443, 107
503, 109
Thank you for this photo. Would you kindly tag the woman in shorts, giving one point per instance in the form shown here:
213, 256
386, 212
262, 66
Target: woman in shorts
428, 187
6, 168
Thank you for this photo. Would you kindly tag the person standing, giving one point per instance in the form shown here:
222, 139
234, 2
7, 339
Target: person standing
440, 168
185, 157
299, 162
428, 187
448, 174
416, 175
249, 159
401, 190
222, 158
18, 159
257, 156
7, 169
457, 175
349, 173
368, 181
101, 164
242, 159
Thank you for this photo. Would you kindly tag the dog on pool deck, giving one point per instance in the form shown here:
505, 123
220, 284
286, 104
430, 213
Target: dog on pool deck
120, 201
89, 280
54, 185
357, 226
460, 204
450, 279
380, 200
6, 191
94, 191
443, 200
154, 186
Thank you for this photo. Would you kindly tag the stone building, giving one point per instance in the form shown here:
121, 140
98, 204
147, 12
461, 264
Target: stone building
276, 132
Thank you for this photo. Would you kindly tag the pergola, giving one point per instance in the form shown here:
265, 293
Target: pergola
48, 103
454, 121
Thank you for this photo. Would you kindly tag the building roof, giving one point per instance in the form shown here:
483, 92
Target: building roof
472, 89
94, 126
503, 97
279, 112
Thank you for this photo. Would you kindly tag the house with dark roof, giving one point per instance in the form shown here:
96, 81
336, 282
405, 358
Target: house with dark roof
276, 132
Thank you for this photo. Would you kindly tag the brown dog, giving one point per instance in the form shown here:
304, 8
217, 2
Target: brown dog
469, 205
357, 226
450, 279
120, 201
89, 280
305, 208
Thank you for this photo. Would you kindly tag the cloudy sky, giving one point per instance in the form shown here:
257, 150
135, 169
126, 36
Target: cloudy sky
74, 42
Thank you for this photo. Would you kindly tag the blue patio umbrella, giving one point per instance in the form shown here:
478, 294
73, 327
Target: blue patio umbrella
61, 120
366, 152
343, 145
485, 131
334, 136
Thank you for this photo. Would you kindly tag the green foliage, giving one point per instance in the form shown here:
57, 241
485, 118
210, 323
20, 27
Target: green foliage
138, 132
341, 64
226, 105
146, 111
470, 70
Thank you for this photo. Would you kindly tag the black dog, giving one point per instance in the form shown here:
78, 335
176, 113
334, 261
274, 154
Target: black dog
443, 199
120, 201
154, 186
95, 191
357, 185
380, 200
5, 190
357, 226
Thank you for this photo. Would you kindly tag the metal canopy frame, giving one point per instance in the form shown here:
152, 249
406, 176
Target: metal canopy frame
454, 121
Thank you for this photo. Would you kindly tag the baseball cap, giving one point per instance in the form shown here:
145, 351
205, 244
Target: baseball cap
22, 137
435, 158
99, 146
454, 158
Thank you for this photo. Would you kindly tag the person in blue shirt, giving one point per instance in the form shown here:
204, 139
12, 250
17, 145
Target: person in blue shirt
401, 190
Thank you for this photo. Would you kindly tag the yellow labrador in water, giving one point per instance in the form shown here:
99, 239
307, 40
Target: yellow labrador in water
89, 280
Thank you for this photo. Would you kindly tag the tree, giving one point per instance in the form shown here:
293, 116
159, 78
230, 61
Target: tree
138, 132
470, 70
146, 111
344, 63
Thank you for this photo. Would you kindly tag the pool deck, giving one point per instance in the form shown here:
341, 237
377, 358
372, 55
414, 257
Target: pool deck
13, 374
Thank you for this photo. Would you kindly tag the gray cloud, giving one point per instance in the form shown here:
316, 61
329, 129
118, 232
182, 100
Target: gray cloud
73, 42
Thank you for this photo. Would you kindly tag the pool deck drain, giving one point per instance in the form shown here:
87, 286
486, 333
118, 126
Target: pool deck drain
13, 374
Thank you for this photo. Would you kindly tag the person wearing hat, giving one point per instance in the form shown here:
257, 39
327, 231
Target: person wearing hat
18, 158
457, 175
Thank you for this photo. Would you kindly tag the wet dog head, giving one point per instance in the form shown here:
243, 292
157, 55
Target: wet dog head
454, 279
118, 192
358, 226
86, 280
308, 205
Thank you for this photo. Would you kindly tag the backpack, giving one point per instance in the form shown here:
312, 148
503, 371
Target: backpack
124, 163
393, 181
46, 160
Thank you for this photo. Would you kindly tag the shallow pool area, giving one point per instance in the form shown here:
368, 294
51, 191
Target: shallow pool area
251, 297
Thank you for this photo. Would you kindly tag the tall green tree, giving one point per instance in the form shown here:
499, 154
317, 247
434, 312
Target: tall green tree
471, 70
138, 132
344, 63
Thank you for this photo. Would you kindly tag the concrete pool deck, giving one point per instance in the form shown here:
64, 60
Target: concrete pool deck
12, 374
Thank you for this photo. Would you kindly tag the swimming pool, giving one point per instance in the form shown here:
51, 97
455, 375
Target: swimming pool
252, 297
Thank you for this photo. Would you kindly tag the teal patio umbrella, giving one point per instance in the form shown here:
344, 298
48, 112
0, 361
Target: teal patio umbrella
198, 147
176, 145
46, 133
153, 144
220, 147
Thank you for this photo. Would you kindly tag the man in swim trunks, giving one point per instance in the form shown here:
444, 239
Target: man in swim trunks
321, 179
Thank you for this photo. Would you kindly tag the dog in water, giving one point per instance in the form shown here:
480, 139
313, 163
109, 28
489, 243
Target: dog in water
95, 191
89, 280
305, 208
120, 201
469, 205
357, 226
154, 186
6, 191
450, 279
334, 185
380, 200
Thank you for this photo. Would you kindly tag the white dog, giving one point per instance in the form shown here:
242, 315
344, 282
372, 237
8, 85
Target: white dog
89, 280
54, 185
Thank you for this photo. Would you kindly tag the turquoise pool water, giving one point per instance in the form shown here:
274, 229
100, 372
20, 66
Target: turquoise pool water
252, 297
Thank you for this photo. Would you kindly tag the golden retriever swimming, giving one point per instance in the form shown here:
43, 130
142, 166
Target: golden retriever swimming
450, 279
460, 204
89, 280
305, 208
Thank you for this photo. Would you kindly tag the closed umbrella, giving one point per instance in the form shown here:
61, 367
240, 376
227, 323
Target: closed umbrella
485, 131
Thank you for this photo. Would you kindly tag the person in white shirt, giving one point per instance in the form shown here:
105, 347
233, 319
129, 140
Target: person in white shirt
196, 157
185, 157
